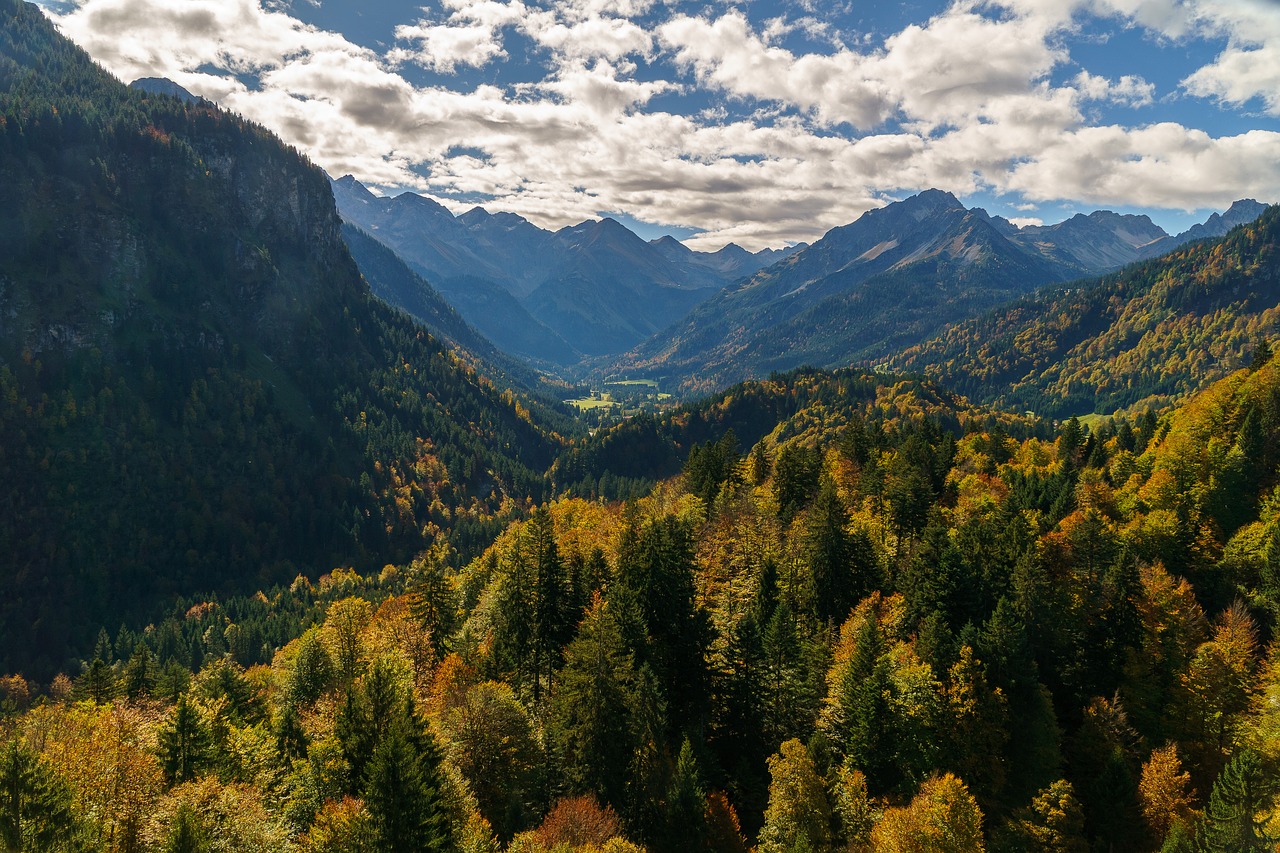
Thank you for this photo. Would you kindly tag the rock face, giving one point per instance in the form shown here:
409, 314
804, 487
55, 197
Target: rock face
897, 273
588, 289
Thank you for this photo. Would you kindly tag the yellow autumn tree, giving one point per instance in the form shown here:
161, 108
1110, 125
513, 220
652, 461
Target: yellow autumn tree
942, 818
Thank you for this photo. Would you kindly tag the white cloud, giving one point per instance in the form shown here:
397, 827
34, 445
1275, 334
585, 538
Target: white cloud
1129, 89
1250, 65
443, 47
470, 37
964, 101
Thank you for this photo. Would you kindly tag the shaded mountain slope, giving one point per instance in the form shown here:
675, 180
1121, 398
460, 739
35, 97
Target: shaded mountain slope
392, 281
885, 281
197, 390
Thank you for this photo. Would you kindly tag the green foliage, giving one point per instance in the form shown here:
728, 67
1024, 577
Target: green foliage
35, 808
1233, 820
246, 407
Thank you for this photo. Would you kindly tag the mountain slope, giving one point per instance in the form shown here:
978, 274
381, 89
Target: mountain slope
197, 391
1152, 331
392, 281
1094, 244
595, 287
894, 276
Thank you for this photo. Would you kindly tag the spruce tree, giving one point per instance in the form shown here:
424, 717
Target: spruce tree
35, 806
1234, 821
185, 744
402, 789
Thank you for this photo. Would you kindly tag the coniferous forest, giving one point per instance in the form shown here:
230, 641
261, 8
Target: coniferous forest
282, 571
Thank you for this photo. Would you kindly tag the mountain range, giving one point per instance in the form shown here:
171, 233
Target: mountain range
888, 281
589, 289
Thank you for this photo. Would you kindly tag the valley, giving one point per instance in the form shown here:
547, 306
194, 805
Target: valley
338, 521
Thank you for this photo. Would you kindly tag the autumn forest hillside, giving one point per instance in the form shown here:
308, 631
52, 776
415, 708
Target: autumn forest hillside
197, 390
864, 629
1137, 338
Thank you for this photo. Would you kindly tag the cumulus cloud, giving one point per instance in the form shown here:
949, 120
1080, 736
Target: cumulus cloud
1129, 89
776, 146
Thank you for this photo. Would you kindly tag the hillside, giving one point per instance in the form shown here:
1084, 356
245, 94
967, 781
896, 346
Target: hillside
630, 457
1148, 334
392, 281
197, 391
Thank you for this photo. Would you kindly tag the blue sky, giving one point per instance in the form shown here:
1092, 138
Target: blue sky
763, 123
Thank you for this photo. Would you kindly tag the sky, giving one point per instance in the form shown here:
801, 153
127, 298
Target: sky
763, 123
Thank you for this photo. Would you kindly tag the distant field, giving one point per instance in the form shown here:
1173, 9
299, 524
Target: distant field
588, 403
649, 382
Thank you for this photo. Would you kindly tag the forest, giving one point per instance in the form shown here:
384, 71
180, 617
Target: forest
872, 629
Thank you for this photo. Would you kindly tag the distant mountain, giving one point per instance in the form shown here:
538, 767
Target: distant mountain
163, 86
886, 282
1139, 337
586, 290
198, 393
731, 262
1090, 245
1217, 225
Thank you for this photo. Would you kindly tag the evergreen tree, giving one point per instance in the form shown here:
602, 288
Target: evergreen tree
185, 744
656, 572
553, 617
1235, 819
836, 584
98, 683
591, 730
402, 790
432, 599
186, 835
1261, 354
139, 672
35, 805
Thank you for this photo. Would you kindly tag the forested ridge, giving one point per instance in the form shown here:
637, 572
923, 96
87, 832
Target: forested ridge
868, 630
1144, 336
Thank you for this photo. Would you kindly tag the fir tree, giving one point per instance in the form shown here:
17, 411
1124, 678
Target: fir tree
35, 806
